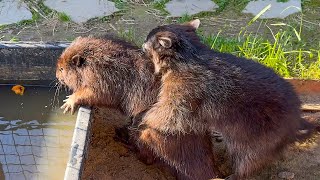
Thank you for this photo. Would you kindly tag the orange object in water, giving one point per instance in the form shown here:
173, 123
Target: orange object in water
18, 89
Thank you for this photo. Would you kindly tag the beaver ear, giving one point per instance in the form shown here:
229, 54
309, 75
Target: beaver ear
77, 60
165, 42
194, 23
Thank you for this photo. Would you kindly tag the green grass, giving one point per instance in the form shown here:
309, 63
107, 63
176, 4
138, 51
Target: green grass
222, 4
221, 44
184, 18
160, 5
311, 3
36, 7
35, 15
129, 35
237, 5
14, 39
120, 4
286, 53
277, 54
64, 17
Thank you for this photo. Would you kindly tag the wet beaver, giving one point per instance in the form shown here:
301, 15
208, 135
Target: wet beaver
257, 111
106, 71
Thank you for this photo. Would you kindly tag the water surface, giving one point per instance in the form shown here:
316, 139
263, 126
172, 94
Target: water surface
35, 135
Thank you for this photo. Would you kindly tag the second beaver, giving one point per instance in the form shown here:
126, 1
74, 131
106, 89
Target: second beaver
257, 111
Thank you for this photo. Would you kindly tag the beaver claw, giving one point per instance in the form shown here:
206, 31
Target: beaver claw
69, 105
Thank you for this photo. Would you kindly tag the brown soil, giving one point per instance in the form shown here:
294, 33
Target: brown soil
109, 159
302, 159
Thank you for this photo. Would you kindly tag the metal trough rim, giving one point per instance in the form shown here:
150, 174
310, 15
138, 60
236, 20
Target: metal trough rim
79, 145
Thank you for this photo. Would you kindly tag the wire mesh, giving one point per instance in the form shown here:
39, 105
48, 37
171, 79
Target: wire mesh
31, 153
35, 138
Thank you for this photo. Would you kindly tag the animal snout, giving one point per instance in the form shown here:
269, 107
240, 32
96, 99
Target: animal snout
61, 81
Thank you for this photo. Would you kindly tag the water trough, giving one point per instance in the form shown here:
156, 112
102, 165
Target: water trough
32, 124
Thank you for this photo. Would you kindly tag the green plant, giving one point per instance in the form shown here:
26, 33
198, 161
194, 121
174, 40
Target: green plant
222, 4
35, 17
130, 35
311, 3
311, 70
237, 5
14, 39
160, 4
120, 4
285, 53
221, 44
184, 18
64, 17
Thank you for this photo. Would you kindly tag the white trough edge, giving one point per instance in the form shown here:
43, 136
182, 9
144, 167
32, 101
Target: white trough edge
79, 144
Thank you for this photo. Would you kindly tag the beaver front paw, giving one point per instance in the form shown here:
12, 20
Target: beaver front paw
69, 104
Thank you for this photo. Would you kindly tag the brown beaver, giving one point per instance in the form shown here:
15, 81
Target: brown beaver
257, 111
189, 31
113, 73
107, 72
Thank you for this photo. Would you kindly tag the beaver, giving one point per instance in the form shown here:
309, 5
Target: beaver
256, 110
189, 30
109, 72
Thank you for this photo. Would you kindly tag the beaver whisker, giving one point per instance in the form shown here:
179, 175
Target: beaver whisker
55, 97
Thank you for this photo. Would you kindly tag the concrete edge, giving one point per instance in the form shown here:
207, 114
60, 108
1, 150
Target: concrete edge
33, 44
79, 144
29, 61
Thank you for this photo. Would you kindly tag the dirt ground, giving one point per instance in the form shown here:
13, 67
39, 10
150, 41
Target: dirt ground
111, 160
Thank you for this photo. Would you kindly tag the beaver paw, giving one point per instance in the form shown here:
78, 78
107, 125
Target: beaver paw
69, 105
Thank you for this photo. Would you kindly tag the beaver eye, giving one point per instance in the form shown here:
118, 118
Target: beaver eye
61, 69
